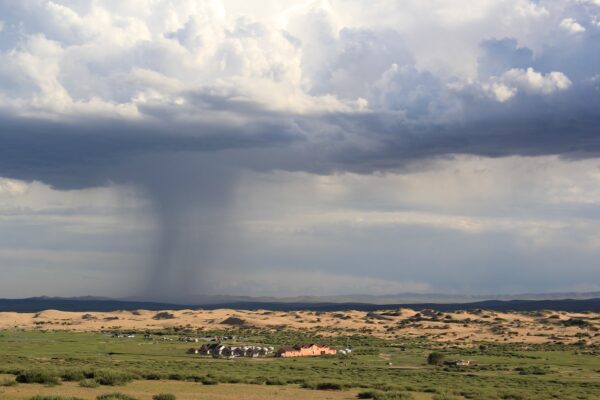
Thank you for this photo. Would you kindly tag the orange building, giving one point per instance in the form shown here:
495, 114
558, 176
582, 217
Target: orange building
306, 350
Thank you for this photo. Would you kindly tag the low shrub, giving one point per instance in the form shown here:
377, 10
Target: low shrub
366, 395
88, 383
377, 395
112, 378
512, 396
256, 381
163, 315
533, 370
115, 396
577, 322
395, 396
43, 377
276, 381
164, 396
435, 359
207, 380
233, 321
72, 375
328, 386
194, 378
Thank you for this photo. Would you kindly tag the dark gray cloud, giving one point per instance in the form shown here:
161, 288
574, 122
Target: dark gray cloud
408, 113
86, 152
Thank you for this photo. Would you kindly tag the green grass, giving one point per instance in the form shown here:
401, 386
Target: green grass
503, 371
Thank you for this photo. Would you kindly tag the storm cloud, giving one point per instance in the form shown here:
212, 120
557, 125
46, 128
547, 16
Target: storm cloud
88, 85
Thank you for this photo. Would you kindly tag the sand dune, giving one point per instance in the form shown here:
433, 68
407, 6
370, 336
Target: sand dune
458, 327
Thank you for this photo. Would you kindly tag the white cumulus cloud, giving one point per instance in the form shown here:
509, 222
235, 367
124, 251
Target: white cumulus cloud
529, 81
571, 26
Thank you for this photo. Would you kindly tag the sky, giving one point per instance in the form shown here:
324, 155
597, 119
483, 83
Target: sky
283, 148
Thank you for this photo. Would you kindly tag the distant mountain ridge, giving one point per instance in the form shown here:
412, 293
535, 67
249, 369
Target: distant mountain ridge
400, 298
88, 303
36, 304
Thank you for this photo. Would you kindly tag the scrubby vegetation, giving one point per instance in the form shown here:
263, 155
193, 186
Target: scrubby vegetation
275, 381
164, 396
326, 386
379, 395
89, 383
112, 377
163, 315
435, 358
234, 321
38, 376
115, 396
382, 369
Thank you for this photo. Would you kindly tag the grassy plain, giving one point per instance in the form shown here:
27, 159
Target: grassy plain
393, 364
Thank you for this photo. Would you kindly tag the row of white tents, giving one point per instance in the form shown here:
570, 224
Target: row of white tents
218, 350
